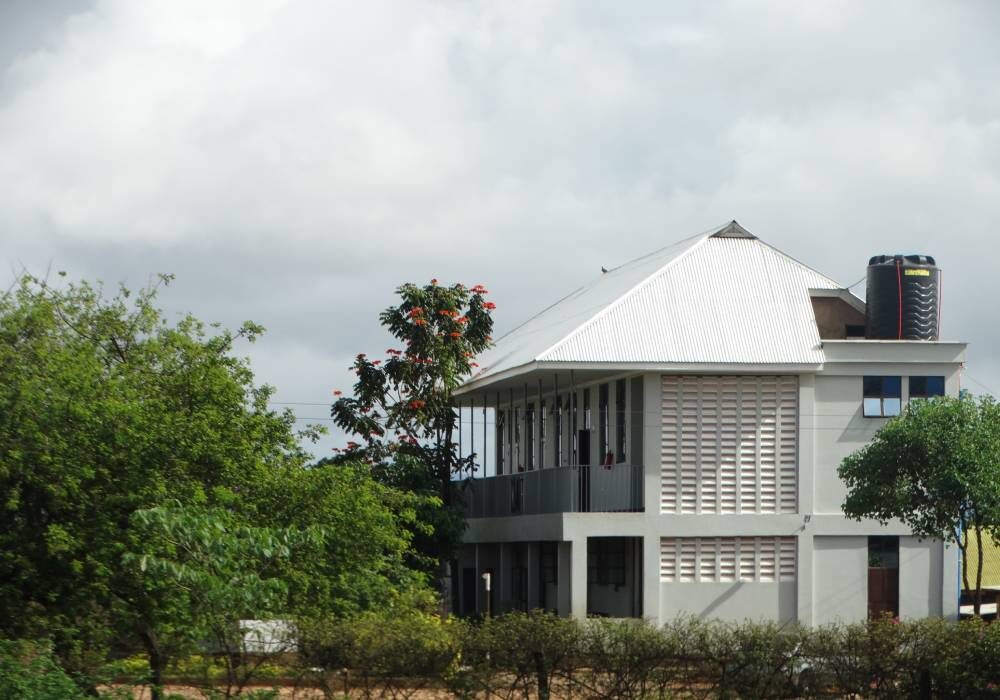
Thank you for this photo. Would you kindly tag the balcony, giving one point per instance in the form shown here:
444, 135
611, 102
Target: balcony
574, 489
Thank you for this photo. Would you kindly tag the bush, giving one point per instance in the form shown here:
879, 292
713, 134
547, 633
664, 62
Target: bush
388, 653
627, 659
28, 671
517, 654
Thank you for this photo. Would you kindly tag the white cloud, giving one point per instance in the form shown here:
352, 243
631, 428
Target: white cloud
294, 161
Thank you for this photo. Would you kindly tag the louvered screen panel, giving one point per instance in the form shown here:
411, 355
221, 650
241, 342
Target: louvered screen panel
787, 559
708, 555
668, 559
788, 453
727, 559
687, 559
708, 445
767, 563
670, 445
746, 557
729, 444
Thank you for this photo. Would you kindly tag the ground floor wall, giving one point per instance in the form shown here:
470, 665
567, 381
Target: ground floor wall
807, 577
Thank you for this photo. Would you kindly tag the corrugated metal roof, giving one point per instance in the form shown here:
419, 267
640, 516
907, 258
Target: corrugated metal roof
722, 297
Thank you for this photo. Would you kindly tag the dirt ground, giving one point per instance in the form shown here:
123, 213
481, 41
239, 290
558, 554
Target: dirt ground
187, 691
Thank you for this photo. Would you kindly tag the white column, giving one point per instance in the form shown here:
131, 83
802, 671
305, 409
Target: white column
652, 421
578, 577
651, 579
806, 498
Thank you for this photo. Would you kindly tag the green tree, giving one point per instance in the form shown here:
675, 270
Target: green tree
106, 410
937, 469
402, 408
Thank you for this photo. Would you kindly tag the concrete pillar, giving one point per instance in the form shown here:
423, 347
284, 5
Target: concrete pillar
950, 586
651, 579
563, 579
578, 577
806, 499
804, 577
652, 421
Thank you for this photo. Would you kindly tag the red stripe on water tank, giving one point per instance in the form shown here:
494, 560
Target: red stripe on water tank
899, 287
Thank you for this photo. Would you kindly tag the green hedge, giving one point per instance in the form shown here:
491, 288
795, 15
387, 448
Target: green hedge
540, 655
28, 671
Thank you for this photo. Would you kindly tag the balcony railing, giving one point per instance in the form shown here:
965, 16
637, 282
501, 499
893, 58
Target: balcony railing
575, 489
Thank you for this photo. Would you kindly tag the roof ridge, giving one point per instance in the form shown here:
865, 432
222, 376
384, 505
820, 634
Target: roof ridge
630, 291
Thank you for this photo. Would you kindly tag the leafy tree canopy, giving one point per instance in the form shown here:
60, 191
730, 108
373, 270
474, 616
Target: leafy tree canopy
402, 407
108, 410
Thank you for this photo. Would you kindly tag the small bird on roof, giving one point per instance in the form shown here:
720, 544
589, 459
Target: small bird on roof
604, 269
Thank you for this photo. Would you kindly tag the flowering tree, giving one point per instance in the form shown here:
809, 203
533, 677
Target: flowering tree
401, 414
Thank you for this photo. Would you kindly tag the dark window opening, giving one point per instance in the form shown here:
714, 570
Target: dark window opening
881, 396
620, 426
516, 425
606, 561
541, 435
501, 446
519, 587
602, 428
926, 387
883, 576
559, 431
529, 436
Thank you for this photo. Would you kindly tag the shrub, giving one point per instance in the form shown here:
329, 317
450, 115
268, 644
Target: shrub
389, 653
627, 659
517, 654
28, 671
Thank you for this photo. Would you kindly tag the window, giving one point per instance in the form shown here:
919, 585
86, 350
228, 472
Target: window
541, 435
529, 436
881, 396
926, 387
602, 428
620, 420
501, 446
606, 561
559, 431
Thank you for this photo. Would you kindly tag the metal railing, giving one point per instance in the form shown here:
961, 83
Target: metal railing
574, 489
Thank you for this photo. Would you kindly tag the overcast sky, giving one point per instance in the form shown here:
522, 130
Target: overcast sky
293, 161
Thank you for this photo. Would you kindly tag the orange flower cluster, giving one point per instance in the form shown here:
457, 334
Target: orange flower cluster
489, 305
455, 334
448, 312
337, 392
416, 311
396, 353
353, 445
420, 322
479, 289
417, 404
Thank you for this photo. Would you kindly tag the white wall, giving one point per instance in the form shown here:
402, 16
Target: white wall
735, 601
840, 579
920, 577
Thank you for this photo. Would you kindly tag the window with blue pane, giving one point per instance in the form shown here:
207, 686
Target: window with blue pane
882, 396
926, 387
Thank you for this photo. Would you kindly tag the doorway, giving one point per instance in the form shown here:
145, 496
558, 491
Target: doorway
883, 576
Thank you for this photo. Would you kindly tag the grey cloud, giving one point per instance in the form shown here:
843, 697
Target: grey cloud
294, 161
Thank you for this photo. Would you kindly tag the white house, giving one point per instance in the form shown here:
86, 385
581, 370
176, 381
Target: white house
666, 440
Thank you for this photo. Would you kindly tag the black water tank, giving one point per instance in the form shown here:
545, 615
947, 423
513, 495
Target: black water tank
903, 298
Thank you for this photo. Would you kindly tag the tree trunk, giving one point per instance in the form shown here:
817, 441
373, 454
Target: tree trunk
979, 569
157, 663
542, 676
963, 547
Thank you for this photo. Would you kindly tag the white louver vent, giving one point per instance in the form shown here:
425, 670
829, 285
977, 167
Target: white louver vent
729, 444
727, 559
